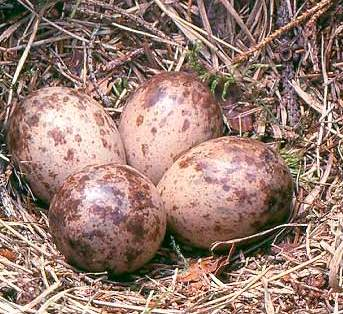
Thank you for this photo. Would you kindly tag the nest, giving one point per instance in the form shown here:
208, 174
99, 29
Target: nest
277, 71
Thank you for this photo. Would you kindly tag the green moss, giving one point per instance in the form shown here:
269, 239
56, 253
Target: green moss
217, 82
293, 160
119, 85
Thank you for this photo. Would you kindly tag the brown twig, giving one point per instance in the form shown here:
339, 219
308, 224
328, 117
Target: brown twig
92, 76
294, 23
139, 21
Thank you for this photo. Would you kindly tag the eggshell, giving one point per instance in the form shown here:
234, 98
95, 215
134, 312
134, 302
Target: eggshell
226, 188
55, 132
107, 217
166, 116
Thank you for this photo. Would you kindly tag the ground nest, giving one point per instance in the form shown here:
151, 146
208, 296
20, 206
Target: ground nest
276, 68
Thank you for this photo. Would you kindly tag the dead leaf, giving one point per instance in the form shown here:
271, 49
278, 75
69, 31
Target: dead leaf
9, 254
197, 270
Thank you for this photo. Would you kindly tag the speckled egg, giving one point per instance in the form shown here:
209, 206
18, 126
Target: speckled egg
226, 188
166, 116
55, 132
107, 217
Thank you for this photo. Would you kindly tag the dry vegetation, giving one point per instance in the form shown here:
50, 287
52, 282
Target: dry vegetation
278, 64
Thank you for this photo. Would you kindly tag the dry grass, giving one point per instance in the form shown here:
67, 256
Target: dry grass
282, 66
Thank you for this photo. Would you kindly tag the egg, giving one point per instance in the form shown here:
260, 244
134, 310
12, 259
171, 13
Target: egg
166, 116
55, 132
107, 218
226, 188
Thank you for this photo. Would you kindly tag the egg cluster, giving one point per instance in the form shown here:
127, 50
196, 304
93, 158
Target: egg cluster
113, 193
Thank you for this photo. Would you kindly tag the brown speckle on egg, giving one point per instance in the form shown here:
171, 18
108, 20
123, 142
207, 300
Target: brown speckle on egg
139, 120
